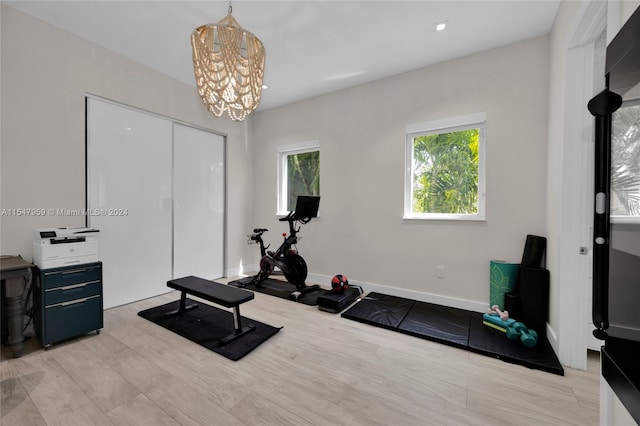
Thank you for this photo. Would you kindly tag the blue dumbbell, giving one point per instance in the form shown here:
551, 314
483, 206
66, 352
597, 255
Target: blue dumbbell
529, 338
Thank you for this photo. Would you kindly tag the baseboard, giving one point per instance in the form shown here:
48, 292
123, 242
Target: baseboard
552, 337
241, 270
470, 305
325, 282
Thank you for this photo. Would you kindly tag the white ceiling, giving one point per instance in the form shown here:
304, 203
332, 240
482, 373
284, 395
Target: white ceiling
312, 47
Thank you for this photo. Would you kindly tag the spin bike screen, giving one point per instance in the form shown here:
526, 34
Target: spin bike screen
306, 207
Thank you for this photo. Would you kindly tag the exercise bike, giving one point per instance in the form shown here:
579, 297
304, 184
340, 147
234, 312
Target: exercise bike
286, 257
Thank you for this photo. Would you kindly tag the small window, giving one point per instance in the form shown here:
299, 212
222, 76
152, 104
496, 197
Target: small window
625, 163
298, 173
445, 169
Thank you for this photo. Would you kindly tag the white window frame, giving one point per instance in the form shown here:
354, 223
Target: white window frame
283, 152
445, 125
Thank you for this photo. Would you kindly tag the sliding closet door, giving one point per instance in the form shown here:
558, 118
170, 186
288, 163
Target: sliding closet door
129, 189
198, 202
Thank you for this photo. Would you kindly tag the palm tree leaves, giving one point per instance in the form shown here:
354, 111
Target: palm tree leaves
445, 172
303, 176
625, 162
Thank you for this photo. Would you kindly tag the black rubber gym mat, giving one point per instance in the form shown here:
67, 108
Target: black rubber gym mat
490, 342
283, 290
380, 310
451, 326
207, 325
439, 323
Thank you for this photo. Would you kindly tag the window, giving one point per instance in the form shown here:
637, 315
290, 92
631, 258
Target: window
625, 163
445, 169
298, 173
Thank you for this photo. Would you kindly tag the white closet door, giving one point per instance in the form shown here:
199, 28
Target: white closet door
129, 184
198, 202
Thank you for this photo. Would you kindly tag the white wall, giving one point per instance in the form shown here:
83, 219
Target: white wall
361, 130
619, 11
46, 73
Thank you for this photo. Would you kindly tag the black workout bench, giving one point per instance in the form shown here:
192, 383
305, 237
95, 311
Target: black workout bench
221, 294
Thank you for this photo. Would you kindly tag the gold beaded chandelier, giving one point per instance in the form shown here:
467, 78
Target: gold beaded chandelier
228, 62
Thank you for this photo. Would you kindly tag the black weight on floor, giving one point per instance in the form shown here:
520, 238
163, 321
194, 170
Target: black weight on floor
335, 302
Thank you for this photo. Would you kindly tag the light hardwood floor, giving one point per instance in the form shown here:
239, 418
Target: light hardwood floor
320, 369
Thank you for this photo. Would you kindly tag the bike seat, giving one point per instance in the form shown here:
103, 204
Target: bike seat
260, 230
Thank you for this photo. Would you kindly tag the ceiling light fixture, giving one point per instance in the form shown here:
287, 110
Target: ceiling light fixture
228, 63
440, 26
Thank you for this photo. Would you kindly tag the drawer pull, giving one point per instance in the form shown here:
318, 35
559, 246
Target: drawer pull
75, 271
67, 287
73, 302
72, 286
72, 271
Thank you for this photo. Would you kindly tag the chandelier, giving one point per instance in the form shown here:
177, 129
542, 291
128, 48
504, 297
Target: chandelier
228, 63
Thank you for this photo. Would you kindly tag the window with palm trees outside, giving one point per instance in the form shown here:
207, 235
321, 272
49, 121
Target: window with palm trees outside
445, 169
298, 173
625, 163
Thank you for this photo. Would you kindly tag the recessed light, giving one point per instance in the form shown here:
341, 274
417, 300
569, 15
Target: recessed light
440, 26
264, 86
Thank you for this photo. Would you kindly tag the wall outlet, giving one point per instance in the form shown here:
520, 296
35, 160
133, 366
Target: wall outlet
440, 271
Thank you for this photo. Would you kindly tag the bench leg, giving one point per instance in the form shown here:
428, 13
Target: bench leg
237, 327
183, 306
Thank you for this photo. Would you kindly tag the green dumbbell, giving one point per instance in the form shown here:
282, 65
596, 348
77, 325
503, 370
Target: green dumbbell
515, 331
529, 338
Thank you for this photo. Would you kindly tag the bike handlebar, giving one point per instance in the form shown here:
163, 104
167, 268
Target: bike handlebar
291, 217
287, 217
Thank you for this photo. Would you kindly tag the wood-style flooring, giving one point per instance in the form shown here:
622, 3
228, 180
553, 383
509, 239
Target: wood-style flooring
320, 369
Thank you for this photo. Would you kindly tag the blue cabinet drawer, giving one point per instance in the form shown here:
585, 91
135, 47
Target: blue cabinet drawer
72, 275
71, 319
69, 292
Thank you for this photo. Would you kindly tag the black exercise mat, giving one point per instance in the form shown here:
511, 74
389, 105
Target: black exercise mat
282, 289
206, 325
380, 310
449, 326
490, 342
442, 324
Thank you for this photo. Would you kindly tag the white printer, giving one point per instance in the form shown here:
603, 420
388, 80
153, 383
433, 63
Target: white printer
55, 247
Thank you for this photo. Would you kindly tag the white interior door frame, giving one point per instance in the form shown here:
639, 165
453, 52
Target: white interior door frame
577, 176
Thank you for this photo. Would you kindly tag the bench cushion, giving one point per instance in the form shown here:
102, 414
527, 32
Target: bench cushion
221, 294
